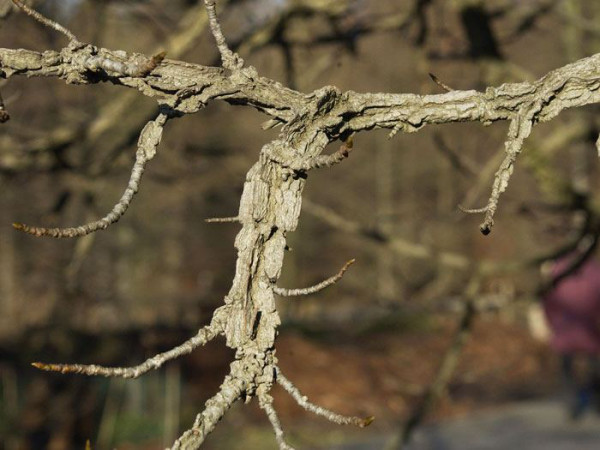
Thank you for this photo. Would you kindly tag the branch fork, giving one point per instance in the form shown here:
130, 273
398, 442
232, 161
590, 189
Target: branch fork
271, 203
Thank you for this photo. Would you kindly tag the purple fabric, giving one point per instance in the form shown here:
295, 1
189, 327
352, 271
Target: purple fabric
573, 309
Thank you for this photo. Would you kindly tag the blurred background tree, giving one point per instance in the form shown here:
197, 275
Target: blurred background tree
118, 296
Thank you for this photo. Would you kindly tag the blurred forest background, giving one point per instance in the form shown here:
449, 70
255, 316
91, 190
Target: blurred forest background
425, 280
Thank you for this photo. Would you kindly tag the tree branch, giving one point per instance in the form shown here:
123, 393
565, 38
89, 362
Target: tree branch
229, 59
44, 20
317, 287
149, 140
266, 403
205, 335
302, 400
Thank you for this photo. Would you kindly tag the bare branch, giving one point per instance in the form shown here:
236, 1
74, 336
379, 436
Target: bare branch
300, 164
214, 409
472, 210
520, 129
437, 81
235, 219
271, 201
321, 161
317, 287
44, 20
147, 145
204, 335
266, 403
302, 400
230, 60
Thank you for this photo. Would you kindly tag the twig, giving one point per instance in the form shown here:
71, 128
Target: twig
317, 287
266, 403
148, 142
302, 400
230, 60
473, 210
437, 81
222, 219
317, 162
204, 335
44, 20
321, 161
520, 129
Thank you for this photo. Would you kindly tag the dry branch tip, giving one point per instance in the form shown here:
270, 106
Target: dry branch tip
441, 84
62, 368
367, 421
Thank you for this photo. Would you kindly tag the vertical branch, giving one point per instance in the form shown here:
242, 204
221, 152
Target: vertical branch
266, 403
384, 185
519, 130
230, 60
447, 367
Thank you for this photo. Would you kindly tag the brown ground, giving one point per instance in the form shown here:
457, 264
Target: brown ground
385, 374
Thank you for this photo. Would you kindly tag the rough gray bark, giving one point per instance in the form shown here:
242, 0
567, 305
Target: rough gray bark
272, 197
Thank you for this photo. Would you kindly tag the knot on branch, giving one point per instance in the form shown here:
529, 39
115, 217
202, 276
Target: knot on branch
323, 100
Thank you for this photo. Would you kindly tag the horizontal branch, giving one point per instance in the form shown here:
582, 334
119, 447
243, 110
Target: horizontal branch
317, 287
234, 219
204, 335
187, 87
183, 86
573, 85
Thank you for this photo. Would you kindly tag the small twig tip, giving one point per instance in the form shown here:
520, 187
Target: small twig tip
367, 421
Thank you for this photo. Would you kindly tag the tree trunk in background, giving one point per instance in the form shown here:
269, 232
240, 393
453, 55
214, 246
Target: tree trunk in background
385, 216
